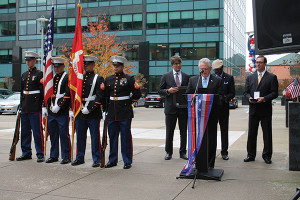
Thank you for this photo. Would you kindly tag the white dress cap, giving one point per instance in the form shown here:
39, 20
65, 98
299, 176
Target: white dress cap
30, 54
58, 60
118, 60
88, 58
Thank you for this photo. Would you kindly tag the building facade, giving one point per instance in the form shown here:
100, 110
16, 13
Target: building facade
154, 29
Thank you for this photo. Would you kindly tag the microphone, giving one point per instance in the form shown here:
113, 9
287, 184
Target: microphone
201, 71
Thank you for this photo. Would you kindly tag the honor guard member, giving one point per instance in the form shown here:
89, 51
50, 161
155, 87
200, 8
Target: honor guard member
31, 109
118, 88
90, 115
58, 113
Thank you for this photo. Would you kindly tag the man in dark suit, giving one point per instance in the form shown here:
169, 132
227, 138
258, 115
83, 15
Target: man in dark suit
261, 88
169, 87
223, 114
213, 85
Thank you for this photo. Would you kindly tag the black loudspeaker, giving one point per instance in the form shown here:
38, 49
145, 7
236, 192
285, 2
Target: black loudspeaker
276, 26
144, 61
16, 64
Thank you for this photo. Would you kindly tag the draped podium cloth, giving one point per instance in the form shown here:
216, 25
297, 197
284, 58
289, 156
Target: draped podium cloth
199, 107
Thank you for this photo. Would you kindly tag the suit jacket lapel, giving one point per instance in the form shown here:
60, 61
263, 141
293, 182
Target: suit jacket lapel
171, 76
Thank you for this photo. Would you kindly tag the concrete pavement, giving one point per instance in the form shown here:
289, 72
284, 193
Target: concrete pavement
151, 177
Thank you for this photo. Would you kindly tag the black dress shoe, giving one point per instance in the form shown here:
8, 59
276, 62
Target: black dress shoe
249, 159
77, 162
168, 156
21, 158
65, 161
51, 160
127, 166
40, 159
225, 157
109, 165
183, 156
96, 164
267, 160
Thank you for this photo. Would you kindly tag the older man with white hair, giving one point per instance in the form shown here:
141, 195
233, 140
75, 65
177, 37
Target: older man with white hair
208, 84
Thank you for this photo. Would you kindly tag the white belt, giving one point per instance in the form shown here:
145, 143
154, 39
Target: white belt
119, 98
60, 95
32, 92
89, 99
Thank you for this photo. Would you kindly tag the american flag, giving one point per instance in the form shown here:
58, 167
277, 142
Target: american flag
48, 49
294, 88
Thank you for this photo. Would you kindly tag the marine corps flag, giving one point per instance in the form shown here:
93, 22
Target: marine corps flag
76, 67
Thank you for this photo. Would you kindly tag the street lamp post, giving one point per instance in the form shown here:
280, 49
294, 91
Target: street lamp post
42, 19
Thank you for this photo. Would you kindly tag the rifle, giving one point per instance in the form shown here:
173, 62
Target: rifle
46, 134
104, 143
12, 152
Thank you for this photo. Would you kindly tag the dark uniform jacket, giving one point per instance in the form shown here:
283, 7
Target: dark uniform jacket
62, 102
168, 81
94, 106
229, 92
31, 81
120, 85
268, 88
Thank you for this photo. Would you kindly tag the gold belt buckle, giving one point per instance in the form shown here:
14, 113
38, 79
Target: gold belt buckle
115, 98
26, 92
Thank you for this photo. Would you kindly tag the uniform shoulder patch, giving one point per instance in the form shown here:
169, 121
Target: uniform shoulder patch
102, 86
136, 85
42, 80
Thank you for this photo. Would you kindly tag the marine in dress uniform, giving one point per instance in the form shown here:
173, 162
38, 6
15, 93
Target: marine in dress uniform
223, 114
118, 88
90, 115
31, 107
58, 113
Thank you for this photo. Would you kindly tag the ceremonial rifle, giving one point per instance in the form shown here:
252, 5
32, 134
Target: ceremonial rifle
12, 153
104, 143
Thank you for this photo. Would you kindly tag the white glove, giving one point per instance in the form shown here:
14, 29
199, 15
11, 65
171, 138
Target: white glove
104, 115
71, 114
44, 112
55, 109
85, 111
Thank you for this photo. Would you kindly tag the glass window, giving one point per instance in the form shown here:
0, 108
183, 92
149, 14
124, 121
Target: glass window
162, 20
3, 4
200, 18
84, 23
187, 51
200, 50
132, 52
115, 22
162, 52
31, 2
126, 22
4, 30
22, 4
152, 50
61, 25
211, 50
151, 20
42, 2
137, 21
22, 27
71, 25
5, 56
174, 50
187, 20
212, 17
31, 27
174, 19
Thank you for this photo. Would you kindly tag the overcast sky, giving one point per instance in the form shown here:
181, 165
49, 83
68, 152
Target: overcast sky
249, 27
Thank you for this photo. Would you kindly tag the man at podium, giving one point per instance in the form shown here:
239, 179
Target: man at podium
205, 83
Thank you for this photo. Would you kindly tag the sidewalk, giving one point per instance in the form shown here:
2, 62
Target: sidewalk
151, 177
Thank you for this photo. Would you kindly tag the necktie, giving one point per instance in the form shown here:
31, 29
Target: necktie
259, 78
204, 82
177, 80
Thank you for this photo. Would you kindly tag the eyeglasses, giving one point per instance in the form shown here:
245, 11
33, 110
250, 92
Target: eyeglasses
259, 62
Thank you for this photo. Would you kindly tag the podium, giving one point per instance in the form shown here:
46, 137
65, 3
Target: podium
197, 165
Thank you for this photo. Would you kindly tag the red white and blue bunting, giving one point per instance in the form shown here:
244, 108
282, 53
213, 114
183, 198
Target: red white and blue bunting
251, 67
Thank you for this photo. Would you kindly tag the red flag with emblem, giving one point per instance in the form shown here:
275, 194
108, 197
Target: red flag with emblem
76, 66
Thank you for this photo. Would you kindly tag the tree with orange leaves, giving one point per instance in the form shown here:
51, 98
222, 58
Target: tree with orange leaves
97, 41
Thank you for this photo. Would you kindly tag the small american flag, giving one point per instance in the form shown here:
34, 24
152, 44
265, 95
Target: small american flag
294, 88
48, 49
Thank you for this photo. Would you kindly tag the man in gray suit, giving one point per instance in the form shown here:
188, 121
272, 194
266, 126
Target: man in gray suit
169, 87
